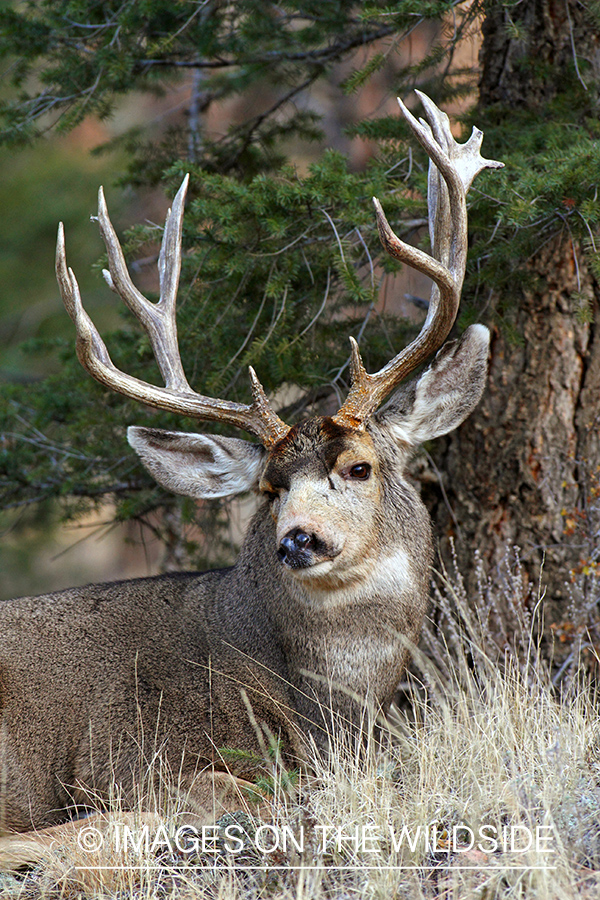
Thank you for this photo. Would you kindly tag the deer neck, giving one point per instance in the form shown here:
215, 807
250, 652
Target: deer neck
354, 634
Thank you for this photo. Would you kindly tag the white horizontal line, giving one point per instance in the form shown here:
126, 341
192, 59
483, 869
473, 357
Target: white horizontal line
233, 866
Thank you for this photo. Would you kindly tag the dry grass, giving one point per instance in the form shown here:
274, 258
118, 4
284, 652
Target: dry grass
488, 741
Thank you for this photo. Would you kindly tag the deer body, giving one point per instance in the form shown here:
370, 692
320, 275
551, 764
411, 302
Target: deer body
312, 622
154, 640
127, 668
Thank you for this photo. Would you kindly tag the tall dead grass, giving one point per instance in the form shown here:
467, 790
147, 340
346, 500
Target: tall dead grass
486, 786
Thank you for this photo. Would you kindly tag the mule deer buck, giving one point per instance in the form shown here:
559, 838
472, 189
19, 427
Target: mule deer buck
332, 580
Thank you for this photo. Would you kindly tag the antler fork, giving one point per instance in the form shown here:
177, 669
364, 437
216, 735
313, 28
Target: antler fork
158, 320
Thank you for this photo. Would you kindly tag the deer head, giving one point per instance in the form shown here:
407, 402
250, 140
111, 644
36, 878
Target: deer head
330, 472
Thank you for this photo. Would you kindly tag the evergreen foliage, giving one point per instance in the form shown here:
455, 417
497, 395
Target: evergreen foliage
274, 260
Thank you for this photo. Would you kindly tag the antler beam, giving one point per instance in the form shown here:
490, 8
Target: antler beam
452, 168
158, 320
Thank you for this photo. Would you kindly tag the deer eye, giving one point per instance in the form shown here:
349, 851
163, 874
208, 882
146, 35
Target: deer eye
360, 471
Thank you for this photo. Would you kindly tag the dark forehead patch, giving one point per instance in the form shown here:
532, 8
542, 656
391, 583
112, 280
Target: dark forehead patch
311, 446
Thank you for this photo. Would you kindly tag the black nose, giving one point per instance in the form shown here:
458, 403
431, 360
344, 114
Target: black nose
293, 547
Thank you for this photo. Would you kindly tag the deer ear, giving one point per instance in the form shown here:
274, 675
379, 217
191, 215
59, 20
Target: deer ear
198, 465
445, 394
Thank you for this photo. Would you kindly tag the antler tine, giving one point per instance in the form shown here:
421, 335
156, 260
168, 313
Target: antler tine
158, 319
452, 168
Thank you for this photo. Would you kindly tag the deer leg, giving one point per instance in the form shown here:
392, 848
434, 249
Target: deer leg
210, 797
203, 801
29, 848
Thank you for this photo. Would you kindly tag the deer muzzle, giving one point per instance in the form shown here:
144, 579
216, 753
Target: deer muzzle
299, 549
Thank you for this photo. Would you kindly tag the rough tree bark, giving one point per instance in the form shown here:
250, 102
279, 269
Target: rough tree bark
524, 468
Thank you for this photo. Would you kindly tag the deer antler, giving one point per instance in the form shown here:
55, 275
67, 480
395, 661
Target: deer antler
452, 168
158, 320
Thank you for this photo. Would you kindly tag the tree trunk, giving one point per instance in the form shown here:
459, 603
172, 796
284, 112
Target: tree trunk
524, 469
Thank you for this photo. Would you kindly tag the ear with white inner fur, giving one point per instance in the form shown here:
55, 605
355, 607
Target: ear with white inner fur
445, 394
198, 465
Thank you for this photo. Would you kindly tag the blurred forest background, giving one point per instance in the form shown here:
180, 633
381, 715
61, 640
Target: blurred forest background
284, 114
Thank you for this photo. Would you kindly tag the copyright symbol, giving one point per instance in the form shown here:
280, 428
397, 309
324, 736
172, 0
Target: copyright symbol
90, 839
